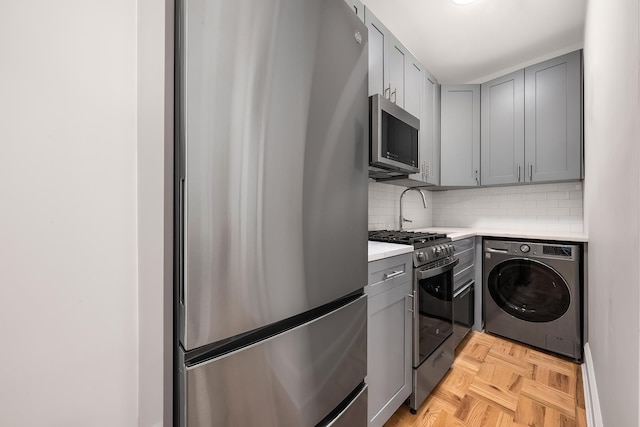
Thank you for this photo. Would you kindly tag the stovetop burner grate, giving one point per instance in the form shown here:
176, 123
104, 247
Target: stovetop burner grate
414, 238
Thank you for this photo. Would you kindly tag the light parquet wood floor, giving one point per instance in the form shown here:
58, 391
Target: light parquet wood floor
499, 383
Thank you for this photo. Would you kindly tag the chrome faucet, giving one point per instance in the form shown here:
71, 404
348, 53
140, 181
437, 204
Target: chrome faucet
424, 203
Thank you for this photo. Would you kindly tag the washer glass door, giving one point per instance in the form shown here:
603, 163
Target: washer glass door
529, 290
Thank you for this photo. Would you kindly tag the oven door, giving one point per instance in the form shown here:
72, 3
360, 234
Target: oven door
433, 321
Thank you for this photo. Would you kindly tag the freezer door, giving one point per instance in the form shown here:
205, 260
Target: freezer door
273, 146
296, 378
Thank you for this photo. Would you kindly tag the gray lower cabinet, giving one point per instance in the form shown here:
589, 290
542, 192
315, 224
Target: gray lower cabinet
532, 124
357, 7
389, 346
553, 119
460, 136
464, 289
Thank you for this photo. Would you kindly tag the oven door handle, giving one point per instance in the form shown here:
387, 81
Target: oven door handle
432, 272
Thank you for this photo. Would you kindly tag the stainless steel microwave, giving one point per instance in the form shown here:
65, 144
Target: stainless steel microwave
393, 141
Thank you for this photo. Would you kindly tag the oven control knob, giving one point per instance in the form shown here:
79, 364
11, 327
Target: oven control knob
421, 256
525, 248
438, 250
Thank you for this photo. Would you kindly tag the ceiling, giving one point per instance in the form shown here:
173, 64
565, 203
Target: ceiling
485, 39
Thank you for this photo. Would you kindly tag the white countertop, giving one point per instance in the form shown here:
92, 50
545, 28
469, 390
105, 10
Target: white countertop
462, 233
381, 250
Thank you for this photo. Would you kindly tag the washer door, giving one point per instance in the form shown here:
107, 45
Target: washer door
529, 290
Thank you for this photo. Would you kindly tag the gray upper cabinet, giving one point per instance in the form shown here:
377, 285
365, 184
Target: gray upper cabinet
502, 146
415, 105
460, 135
430, 123
397, 59
414, 87
553, 119
423, 101
357, 7
397, 75
378, 62
532, 124
389, 61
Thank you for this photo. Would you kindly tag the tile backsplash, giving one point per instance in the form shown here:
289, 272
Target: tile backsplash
384, 207
539, 207
535, 207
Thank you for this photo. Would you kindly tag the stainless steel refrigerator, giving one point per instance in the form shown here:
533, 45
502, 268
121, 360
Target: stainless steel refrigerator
271, 213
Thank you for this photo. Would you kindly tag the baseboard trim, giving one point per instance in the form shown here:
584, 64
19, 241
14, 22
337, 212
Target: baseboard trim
591, 400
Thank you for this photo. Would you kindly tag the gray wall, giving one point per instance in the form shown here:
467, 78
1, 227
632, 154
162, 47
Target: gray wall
612, 201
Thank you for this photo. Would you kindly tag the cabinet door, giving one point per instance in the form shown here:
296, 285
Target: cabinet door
388, 352
415, 105
413, 87
430, 143
378, 62
397, 55
460, 135
553, 119
502, 146
357, 7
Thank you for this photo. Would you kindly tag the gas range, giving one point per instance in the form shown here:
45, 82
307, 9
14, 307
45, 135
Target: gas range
432, 296
429, 248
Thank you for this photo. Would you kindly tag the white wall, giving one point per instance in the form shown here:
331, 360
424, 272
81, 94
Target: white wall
68, 213
155, 211
612, 204
540, 207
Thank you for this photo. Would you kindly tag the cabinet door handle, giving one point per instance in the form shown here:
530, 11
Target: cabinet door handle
388, 276
518, 173
464, 290
412, 295
395, 97
355, 9
477, 180
530, 171
412, 302
388, 90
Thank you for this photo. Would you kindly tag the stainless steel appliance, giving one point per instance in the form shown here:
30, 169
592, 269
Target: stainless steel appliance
393, 148
532, 294
433, 346
271, 210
